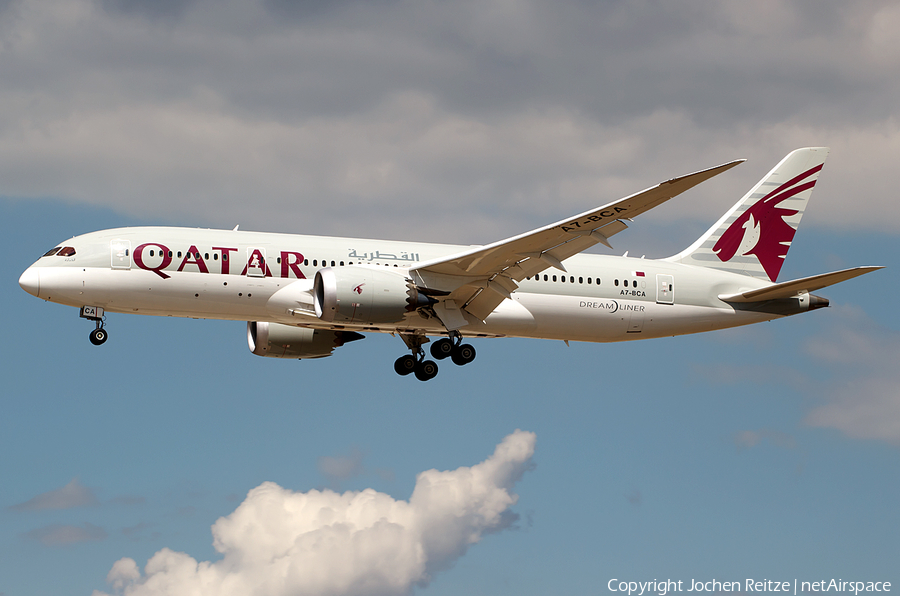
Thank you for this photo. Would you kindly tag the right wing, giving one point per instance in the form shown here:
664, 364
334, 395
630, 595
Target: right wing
479, 279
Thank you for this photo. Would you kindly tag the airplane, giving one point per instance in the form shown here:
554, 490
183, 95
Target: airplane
303, 296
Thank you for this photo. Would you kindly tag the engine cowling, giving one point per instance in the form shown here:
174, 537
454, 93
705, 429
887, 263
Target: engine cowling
365, 295
284, 341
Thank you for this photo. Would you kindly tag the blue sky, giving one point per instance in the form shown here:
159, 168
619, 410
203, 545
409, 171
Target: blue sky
764, 452
665, 458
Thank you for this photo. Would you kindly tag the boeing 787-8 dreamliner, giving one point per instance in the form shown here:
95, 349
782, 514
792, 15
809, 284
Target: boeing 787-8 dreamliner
303, 296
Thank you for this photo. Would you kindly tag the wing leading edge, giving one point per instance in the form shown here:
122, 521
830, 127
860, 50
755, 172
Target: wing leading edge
479, 279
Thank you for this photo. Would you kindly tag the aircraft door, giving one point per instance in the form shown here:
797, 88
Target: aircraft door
120, 254
665, 289
256, 263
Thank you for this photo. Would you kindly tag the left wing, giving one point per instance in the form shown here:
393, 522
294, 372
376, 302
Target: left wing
478, 280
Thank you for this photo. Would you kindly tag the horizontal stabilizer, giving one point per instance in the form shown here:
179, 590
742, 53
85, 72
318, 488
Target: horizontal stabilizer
792, 288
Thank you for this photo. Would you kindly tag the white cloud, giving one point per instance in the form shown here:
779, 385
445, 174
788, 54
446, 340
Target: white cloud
865, 404
865, 409
280, 542
74, 494
489, 117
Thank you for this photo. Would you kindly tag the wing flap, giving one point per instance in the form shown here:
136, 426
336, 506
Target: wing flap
788, 289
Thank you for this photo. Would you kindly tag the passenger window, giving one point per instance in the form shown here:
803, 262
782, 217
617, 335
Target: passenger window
589, 281
342, 263
52, 251
332, 263
554, 278
206, 256
571, 279
306, 262
315, 263
545, 277
179, 254
598, 281
562, 278
616, 282
581, 280
151, 252
224, 255
215, 256
634, 284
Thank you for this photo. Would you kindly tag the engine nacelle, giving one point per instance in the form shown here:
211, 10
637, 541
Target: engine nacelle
284, 341
365, 295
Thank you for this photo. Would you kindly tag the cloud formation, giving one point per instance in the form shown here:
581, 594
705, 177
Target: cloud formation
74, 494
265, 111
866, 404
280, 542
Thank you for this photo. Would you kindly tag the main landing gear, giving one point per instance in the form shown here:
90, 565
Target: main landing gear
425, 370
95, 313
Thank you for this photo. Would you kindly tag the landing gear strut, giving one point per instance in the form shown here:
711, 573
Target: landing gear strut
95, 313
446, 347
415, 363
453, 347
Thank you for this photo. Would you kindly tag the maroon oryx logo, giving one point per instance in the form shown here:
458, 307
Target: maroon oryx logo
358, 289
761, 229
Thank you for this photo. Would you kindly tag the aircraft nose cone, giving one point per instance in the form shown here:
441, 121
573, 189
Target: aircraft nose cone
31, 281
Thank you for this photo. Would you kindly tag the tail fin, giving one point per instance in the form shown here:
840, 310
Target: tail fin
753, 238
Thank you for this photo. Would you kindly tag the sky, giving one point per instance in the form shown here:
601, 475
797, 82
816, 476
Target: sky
172, 458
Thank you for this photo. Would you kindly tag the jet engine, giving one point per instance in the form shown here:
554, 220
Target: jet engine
284, 341
365, 295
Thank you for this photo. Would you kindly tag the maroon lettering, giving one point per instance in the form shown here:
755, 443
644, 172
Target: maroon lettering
163, 251
226, 267
193, 258
257, 261
288, 265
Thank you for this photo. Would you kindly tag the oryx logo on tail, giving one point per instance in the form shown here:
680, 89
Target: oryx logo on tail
762, 231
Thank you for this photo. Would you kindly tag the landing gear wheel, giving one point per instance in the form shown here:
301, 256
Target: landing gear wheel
426, 370
405, 365
442, 348
98, 336
463, 354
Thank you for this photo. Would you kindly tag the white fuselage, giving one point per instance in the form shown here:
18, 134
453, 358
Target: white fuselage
252, 276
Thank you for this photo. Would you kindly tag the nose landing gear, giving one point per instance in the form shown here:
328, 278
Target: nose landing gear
98, 336
94, 313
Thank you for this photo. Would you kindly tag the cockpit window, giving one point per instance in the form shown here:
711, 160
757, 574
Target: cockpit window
68, 251
52, 251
